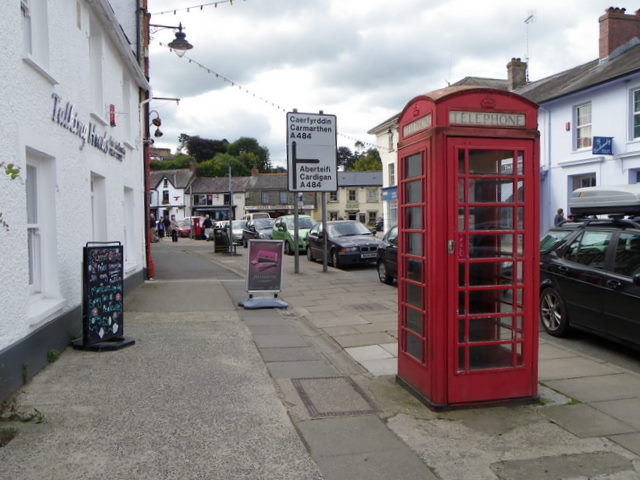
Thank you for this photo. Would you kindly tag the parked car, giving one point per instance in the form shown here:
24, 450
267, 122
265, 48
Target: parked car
387, 259
257, 228
349, 242
237, 226
590, 279
284, 229
253, 216
186, 224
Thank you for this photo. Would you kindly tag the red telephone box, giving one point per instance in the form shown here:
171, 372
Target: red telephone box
468, 206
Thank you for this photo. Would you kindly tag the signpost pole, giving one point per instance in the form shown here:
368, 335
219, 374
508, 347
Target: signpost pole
296, 237
324, 231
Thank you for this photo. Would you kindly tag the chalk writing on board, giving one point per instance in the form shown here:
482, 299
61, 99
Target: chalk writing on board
103, 293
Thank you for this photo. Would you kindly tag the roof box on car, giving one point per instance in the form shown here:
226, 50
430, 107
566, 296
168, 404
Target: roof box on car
616, 199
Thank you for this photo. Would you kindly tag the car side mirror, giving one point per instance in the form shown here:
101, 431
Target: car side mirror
636, 279
394, 241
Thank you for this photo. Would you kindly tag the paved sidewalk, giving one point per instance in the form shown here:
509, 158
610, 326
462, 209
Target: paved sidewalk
213, 391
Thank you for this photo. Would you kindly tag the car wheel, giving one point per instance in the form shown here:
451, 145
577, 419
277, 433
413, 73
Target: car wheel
553, 313
383, 274
335, 261
287, 248
309, 254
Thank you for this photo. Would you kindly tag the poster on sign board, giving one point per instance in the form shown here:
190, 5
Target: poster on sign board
264, 270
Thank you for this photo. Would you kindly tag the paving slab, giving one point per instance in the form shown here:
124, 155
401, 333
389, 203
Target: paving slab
334, 436
547, 351
380, 367
584, 465
286, 329
368, 352
393, 464
573, 367
627, 410
301, 369
363, 339
392, 348
585, 421
273, 341
599, 388
288, 354
630, 441
333, 396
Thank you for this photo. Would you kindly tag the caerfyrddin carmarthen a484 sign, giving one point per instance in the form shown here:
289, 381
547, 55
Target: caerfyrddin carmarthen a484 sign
311, 152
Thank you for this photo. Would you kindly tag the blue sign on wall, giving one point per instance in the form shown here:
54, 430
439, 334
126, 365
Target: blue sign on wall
602, 146
390, 194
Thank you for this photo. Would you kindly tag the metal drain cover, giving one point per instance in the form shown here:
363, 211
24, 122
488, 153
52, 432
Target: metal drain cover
332, 396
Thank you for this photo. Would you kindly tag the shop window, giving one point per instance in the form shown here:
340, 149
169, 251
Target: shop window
583, 126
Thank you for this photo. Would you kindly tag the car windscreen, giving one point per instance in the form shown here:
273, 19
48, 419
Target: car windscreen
303, 223
347, 229
238, 224
264, 223
552, 239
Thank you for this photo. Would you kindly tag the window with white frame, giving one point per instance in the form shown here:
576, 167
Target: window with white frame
284, 197
372, 195
584, 180
390, 138
40, 185
95, 67
583, 125
333, 196
636, 113
35, 31
265, 198
129, 226
353, 195
98, 208
33, 230
392, 174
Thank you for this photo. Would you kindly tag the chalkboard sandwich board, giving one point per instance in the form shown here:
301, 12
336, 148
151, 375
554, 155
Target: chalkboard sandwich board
102, 298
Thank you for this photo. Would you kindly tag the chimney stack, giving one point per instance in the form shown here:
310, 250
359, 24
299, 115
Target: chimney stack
616, 29
516, 74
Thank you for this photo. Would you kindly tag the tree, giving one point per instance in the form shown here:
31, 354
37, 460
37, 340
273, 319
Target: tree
202, 148
250, 145
219, 165
345, 158
178, 161
369, 162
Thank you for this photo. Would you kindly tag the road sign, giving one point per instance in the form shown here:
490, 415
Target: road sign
312, 152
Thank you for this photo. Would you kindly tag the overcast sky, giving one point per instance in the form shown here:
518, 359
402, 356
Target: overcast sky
361, 60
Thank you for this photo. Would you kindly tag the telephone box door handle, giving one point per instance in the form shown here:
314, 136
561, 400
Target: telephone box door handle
451, 246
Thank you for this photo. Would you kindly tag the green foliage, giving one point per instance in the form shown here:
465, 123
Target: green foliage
53, 355
10, 413
180, 160
202, 148
370, 161
219, 166
11, 171
246, 145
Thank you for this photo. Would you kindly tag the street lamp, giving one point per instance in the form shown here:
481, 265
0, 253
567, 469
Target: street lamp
179, 44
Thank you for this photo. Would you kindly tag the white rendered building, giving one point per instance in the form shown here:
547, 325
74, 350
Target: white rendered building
70, 90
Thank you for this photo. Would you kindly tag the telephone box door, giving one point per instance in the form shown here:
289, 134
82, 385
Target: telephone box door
492, 278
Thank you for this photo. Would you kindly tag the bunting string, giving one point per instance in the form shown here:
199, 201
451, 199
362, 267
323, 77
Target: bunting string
262, 99
195, 7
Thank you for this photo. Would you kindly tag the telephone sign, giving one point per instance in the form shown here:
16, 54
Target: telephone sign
312, 152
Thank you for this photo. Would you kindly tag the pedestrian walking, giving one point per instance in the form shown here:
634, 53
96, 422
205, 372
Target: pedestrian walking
173, 228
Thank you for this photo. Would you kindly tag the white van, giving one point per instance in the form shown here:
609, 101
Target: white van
253, 216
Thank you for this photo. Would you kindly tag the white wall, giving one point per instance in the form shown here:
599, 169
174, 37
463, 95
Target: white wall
30, 132
611, 117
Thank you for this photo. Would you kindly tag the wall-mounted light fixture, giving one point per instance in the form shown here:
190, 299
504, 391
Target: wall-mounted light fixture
179, 44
